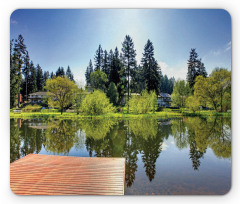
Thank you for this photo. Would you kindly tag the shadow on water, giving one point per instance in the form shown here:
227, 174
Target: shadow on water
140, 141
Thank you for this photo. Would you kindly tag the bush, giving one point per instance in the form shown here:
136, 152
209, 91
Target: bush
97, 103
50, 110
32, 108
144, 103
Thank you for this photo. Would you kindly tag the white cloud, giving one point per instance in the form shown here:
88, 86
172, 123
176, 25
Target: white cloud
228, 46
178, 72
13, 21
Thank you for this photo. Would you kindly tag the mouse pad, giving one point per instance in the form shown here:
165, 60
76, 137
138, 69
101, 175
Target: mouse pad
120, 102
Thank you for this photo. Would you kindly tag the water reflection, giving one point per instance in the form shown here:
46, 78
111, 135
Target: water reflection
139, 141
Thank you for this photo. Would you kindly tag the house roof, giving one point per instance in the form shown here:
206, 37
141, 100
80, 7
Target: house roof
38, 93
165, 95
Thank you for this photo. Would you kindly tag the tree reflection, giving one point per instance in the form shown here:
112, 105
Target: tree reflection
203, 133
96, 136
146, 131
24, 139
15, 141
60, 136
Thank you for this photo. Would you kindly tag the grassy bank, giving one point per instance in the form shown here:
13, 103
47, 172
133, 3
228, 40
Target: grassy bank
161, 114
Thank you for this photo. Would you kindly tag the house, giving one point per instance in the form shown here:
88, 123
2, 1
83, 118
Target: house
164, 100
37, 97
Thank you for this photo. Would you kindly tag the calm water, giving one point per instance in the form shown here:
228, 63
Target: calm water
175, 156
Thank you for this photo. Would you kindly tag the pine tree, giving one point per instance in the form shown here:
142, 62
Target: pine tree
40, 79
69, 74
33, 78
115, 68
192, 66
201, 70
26, 72
98, 59
46, 76
151, 70
195, 68
105, 67
18, 59
88, 72
129, 57
60, 72
13, 76
52, 75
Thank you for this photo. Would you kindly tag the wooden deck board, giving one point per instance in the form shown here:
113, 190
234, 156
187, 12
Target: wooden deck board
37, 174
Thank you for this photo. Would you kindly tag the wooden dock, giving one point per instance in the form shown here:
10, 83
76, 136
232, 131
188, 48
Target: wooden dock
37, 174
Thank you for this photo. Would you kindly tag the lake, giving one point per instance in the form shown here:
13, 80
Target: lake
178, 156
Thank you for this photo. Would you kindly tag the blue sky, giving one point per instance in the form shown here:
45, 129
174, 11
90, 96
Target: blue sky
71, 37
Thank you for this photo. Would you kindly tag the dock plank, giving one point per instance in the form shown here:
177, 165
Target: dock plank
37, 174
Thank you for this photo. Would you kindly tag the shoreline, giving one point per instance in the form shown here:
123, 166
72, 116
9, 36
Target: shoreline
163, 114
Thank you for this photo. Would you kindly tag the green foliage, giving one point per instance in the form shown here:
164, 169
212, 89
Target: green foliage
215, 91
195, 68
32, 108
61, 92
144, 103
98, 80
80, 95
97, 103
113, 93
180, 92
192, 103
97, 128
151, 71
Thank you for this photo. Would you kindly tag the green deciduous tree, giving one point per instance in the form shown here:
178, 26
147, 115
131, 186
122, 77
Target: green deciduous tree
61, 92
97, 103
193, 103
180, 93
215, 91
146, 102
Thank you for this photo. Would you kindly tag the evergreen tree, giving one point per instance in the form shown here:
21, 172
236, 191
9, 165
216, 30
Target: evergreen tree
32, 78
201, 70
26, 72
60, 72
52, 75
106, 64
195, 68
129, 57
18, 60
192, 65
112, 93
69, 74
88, 72
98, 58
151, 70
40, 79
46, 76
13, 76
115, 68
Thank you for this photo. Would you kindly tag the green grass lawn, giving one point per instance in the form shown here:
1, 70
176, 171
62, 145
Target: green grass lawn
166, 113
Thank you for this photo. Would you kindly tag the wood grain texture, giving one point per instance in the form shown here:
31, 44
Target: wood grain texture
37, 174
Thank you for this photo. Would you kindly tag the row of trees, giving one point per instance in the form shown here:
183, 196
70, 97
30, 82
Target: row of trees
25, 77
212, 92
122, 70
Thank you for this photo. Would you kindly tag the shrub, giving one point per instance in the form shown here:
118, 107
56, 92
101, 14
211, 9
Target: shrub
97, 103
32, 108
144, 103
